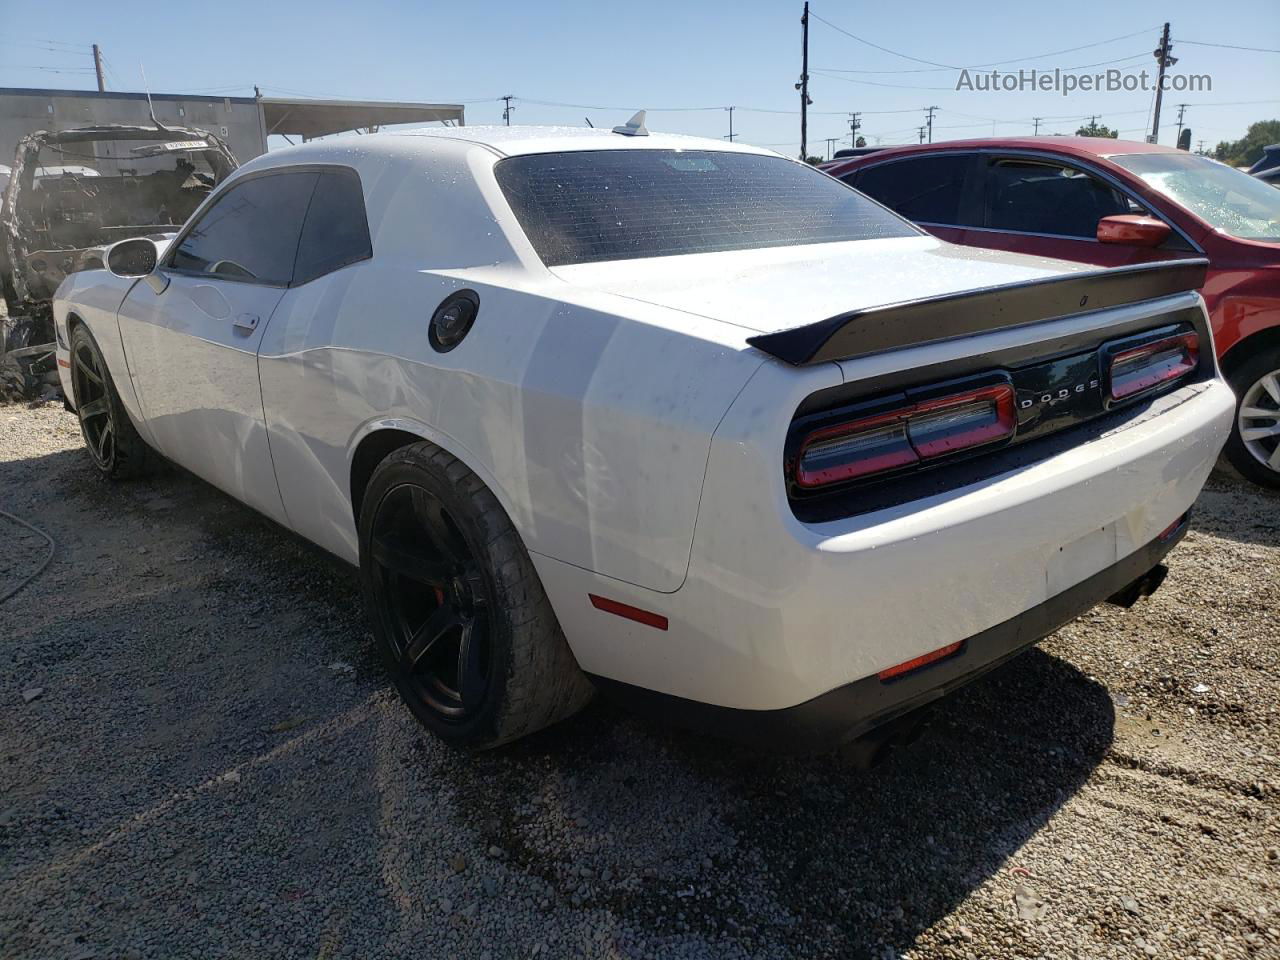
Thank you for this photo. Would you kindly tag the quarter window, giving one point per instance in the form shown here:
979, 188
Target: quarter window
924, 189
336, 231
1030, 196
250, 233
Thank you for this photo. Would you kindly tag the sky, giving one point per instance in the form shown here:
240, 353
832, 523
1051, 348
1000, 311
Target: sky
685, 62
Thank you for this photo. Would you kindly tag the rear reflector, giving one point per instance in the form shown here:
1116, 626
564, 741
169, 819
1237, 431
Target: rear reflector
628, 612
923, 660
1152, 364
905, 437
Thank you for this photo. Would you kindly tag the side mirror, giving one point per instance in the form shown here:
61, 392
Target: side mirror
1133, 230
135, 257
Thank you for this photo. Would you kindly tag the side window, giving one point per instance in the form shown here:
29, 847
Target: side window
924, 189
1032, 196
250, 233
336, 231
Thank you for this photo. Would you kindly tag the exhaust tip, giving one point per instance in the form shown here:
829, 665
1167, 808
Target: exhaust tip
1144, 586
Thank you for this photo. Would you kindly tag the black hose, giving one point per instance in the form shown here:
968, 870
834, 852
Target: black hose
44, 563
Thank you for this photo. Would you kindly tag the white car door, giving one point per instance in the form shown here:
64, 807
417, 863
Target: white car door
193, 346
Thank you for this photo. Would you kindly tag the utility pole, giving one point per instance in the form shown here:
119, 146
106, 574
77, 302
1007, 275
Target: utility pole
1182, 108
930, 110
854, 124
1036, 131
831, 144
803, 85
1200, 147
731, 133
97, 67
506, 111
922, 134
1164, 60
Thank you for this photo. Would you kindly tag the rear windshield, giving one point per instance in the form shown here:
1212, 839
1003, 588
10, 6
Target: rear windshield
588, 206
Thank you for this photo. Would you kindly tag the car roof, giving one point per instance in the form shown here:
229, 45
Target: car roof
1071, 146
516, 140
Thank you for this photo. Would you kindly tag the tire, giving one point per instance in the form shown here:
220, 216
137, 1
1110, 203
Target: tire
113, 442
468, 634
1254, 445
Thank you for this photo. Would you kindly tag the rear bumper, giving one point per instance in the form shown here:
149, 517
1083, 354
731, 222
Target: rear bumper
856, 708
776, 615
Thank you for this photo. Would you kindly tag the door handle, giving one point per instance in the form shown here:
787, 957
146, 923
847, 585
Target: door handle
247, 322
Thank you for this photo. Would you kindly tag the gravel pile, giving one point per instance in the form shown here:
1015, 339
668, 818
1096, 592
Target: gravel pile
215, 766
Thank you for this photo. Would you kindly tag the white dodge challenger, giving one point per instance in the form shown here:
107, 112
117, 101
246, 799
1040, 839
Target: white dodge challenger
679, 420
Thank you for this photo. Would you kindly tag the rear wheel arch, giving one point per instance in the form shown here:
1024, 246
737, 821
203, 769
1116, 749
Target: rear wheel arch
380, 440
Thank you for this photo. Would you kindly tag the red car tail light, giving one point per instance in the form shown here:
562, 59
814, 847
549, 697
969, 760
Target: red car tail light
1162, 361
901, 438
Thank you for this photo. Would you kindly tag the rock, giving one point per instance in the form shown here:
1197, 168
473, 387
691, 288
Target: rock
458, 863
1130, 905
32, 693
497, 852
1027, 905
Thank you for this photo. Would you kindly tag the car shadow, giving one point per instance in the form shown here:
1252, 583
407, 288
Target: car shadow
857, 859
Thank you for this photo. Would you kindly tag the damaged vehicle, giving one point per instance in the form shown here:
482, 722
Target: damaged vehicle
675, 419
58, 218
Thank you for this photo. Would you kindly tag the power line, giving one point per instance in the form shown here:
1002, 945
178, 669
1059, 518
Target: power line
1226, 46
932, 63
878, 83
1001, 63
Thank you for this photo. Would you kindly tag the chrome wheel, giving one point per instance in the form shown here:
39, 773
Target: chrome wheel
1258, 419
93, 403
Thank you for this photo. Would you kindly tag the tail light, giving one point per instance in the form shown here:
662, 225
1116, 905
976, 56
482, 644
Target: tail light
907, 436
1142, 368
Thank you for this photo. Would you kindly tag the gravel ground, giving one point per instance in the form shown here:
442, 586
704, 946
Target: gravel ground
211, 764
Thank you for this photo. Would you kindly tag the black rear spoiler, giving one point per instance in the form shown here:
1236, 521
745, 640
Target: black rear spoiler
862, 332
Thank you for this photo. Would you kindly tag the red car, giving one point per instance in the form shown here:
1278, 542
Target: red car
1112, 202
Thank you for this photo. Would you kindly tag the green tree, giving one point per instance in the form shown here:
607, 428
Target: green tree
814, 160
1244, 152
1095, 129
862, 142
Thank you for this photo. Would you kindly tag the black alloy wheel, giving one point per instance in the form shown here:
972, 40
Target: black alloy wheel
436, 603
93, 403
457, 606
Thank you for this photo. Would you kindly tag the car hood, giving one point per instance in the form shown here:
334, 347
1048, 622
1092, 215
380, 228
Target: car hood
778, 288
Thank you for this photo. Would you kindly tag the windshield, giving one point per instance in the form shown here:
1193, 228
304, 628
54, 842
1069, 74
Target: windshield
1225, 198
588, 206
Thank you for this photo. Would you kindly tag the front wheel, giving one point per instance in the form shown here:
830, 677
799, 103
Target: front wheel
457, 607
110, 436
1254, 445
